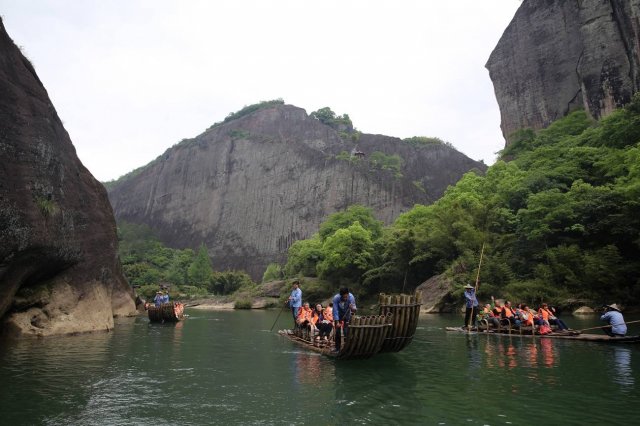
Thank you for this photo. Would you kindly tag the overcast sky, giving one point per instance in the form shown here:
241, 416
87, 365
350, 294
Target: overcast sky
130, 78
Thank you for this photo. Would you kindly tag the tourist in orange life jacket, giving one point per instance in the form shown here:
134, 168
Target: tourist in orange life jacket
497, 308
323, 325
487, 315
549, 315
527, 316
509, 314
304, 317
471, 304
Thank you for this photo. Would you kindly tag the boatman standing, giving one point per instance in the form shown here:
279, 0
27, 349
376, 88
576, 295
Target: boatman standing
158, 300
295, 301
471, 304
344, 304
617, 326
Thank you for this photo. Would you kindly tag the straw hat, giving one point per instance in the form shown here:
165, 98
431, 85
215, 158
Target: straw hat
614, 307
469, 286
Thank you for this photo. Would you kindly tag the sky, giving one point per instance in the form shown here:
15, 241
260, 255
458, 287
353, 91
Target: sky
131, 78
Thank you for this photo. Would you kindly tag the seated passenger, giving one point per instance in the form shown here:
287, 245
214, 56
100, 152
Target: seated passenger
527, 316
508, 314
487, 315
323, 325
549, 316
304, 317
497, 309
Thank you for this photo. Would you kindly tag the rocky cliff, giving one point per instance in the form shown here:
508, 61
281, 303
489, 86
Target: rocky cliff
559, 55
250, 187
59, 272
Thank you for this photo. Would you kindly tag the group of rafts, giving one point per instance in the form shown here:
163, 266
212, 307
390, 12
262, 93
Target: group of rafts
389, 331
505, 328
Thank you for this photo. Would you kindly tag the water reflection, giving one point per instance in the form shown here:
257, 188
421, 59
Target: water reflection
548, 353
390, 396
308, 369
622, 372
475, 358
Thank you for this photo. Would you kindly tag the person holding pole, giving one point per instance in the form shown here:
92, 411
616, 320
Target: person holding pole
344, 304
617, 327
471, 304
295, 301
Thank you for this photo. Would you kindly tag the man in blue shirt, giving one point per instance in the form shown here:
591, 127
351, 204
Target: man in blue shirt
295, 301
158, 299
614, 317
344, 304
471, 304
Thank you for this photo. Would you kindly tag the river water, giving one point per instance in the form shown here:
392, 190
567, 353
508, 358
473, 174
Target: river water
227, 368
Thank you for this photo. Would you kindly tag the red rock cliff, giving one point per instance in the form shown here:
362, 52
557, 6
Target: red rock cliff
59, 270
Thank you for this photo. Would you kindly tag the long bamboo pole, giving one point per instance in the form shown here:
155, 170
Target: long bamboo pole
604, 326
475, 292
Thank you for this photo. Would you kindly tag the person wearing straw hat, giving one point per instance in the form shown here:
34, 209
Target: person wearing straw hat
612, 315
159, 298
471, 304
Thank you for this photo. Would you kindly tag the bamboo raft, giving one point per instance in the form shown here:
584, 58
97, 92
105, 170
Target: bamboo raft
167, 312
567, 335
390, 331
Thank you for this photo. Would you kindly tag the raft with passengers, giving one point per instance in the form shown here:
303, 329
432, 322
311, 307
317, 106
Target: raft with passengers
391, 330
543, 323
162, 310
166, 312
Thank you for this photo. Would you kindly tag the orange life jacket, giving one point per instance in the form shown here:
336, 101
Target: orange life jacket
529, 320
305, 314
545, 313
508, 313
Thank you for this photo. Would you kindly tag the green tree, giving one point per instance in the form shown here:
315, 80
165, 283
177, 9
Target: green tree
228, 282
272, 273
347, 254
353, 214
200, 269
303, 256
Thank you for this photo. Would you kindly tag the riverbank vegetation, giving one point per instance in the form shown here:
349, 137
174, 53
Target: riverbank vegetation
148, 264
559, 215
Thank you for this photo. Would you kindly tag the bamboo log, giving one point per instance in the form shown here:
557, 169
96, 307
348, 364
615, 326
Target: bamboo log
371, 335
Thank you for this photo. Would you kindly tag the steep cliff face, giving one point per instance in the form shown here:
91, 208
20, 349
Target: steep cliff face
59, 272
559, 55
249, 188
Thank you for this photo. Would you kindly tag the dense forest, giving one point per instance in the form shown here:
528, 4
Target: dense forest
149, 264
558, 215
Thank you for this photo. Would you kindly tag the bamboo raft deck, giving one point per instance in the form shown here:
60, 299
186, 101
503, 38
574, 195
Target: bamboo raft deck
167, 312
567, 335
390, 331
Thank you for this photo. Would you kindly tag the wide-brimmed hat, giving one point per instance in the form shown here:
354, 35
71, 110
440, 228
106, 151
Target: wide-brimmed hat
469, 286
614, 307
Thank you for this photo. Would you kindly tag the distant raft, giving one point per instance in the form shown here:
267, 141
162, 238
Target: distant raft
167, 312
390, 331
557, 334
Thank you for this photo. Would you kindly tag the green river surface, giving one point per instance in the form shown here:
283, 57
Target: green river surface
227, 368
